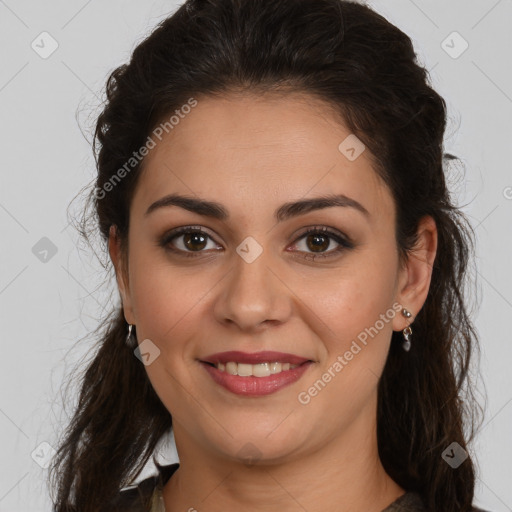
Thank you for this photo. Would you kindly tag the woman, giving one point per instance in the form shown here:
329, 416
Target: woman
290, 268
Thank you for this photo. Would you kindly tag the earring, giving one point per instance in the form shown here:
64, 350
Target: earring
407, 332
131, 341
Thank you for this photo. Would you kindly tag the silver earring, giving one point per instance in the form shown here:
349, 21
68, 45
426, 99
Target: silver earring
407, 332
131, 341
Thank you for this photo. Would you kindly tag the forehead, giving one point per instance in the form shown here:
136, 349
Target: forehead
249, 149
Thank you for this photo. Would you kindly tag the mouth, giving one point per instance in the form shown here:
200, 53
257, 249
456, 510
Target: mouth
255, 374
254, 370
267, 356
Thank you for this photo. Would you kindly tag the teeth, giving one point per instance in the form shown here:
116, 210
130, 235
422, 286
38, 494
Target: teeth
255, 370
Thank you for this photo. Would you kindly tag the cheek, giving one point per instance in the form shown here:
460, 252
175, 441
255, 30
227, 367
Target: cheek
358, 312
167, 305
166, 299
357, 308
353, 297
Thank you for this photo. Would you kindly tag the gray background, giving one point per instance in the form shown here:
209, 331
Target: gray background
48, 302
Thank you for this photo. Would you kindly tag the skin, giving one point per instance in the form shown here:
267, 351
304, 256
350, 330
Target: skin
252, 154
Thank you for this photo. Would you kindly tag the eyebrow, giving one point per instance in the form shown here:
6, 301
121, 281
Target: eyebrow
284, 212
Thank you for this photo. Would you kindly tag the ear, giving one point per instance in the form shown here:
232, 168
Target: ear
121, 269
414, 278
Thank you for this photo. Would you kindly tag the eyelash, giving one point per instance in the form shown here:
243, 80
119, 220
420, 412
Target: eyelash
344, 243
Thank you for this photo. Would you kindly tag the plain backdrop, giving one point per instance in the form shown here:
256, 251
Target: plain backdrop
53, 290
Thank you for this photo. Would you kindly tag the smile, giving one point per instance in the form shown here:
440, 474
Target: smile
254, 370
254, 380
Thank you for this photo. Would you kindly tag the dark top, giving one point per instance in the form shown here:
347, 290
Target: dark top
146, 496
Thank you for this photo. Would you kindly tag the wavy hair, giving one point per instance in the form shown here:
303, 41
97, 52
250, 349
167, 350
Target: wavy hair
366, 70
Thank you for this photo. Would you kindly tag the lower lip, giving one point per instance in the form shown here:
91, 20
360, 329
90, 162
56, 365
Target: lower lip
256, 386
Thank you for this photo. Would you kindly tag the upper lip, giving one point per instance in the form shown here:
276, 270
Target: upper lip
254, 358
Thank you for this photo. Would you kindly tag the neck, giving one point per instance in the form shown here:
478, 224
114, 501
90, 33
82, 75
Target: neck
344, 475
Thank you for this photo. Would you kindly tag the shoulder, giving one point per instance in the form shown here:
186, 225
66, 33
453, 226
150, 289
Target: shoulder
408, 502
413, 502
137, 498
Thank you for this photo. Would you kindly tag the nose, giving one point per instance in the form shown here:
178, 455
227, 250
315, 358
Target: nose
253, 295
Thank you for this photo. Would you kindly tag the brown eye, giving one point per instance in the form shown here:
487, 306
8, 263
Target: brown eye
186, 241
194, 241
318, 240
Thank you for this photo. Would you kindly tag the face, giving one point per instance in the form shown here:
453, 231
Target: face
312, 282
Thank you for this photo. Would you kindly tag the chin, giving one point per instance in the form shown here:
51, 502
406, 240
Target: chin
261, 449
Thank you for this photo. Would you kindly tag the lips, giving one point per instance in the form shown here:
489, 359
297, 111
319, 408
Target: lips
255, 358
252, 386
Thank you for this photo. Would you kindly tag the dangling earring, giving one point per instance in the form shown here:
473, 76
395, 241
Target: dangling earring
131, 341
407, 332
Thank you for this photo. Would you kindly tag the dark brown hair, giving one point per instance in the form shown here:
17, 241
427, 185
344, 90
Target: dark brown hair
366, 70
